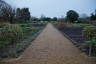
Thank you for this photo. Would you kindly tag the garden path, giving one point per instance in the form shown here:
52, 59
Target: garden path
51, 47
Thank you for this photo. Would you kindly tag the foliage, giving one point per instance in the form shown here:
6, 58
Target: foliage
91, 44
27, 29
25, 25
23, 15
54, 19
11, 15
93, 16
45, 19
35, 19
11, 33
81, 25
11, 42
32, 24
90, 32
72, 16
2, 25
7, 14
85, 20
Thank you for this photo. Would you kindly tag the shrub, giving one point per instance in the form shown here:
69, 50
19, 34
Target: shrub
91, 44
25, 25
27, 29
11, 33
2, 25
90, 32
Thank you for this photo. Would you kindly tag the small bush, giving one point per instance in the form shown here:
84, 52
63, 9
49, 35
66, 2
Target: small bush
2, 25
11, 33
25, 25
92, 47
90, 32
27, 29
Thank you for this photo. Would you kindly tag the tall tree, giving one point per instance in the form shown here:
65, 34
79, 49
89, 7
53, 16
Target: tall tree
93, 16
23, 15
18, 15
8, 14
72, 16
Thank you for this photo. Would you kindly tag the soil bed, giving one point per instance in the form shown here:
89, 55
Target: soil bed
74, 34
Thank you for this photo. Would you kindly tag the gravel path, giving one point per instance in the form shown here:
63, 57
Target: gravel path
51, 47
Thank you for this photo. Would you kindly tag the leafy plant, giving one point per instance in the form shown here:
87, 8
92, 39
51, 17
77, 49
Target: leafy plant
11, 33
91, 43
90, 32
2, 25
27, 29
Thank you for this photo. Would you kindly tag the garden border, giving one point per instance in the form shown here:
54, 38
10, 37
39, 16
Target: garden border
20, 56
72, 41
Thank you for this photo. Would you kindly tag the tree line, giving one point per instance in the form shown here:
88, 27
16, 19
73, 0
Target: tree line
72, 16
19, 15
44, 19
23, 15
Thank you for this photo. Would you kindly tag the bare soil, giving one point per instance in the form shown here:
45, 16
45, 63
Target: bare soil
51, 47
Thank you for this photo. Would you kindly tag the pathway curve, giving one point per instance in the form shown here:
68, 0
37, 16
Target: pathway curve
51, 47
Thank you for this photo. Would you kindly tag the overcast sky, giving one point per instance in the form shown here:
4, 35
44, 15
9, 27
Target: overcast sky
56, 8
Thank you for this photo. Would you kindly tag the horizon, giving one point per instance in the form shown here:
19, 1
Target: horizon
54, 8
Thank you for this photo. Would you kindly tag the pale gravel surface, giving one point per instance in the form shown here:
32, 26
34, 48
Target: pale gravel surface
51, 47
